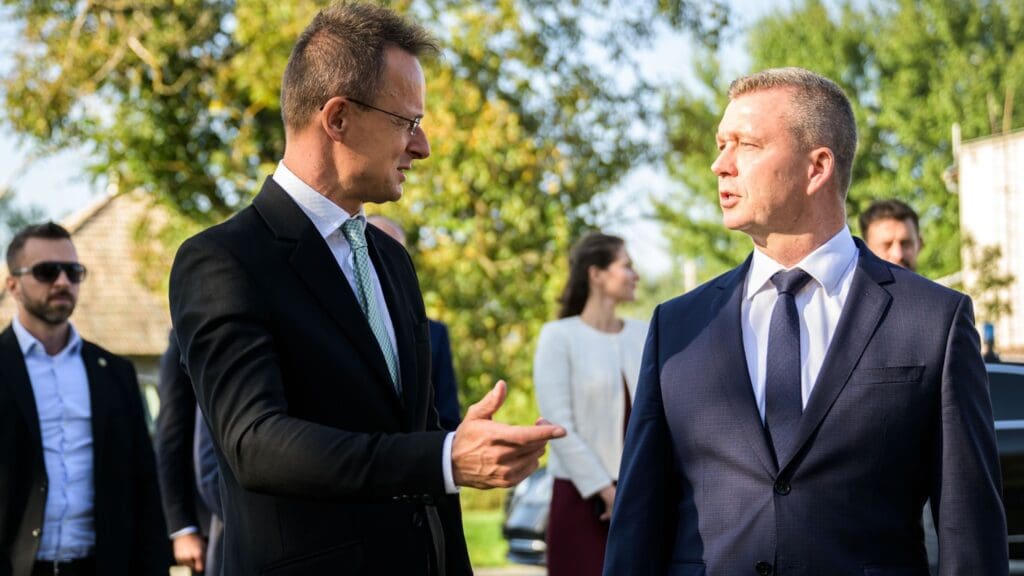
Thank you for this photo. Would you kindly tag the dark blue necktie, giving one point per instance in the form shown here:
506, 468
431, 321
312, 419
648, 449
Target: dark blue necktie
783, 398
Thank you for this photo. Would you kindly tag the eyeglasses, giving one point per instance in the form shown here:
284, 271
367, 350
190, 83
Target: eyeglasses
414, 123
48, 272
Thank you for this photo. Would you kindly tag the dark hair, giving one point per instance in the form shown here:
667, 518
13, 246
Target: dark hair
47, 231
341, 53
821, 114
594, 249
887, 210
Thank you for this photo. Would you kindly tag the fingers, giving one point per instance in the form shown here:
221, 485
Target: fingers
531, 434
489, 404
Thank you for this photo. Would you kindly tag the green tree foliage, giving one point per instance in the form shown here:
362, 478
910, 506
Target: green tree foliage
912, 68
989, 280
180, 99
14, 217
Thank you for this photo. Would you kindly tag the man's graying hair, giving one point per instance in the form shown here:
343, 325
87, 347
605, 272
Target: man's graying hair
341, 53
822, 115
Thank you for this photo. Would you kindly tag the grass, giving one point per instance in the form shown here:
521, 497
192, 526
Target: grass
483, 537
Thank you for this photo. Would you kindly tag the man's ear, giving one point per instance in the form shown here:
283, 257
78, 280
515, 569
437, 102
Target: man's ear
334, 117
821, 169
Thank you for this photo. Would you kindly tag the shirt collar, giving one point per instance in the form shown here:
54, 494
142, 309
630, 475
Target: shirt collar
29, 344
827, 265
325, 215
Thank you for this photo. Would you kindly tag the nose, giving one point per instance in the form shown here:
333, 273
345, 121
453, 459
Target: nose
723, 164
419, 146
896, 253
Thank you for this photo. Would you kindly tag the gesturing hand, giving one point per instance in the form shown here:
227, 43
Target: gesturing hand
488, 454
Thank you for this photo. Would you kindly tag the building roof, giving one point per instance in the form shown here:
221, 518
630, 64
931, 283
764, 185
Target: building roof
116, 309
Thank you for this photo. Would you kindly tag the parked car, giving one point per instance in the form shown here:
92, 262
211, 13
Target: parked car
526, 511
526, 519
1006, 382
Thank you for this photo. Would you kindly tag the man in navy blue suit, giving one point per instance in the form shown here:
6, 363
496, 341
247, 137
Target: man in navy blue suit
794, 414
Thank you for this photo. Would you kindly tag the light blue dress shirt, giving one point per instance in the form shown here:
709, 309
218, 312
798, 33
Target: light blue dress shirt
61, 389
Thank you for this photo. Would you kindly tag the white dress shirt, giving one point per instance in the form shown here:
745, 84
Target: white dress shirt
60, 386
327, 217
819, 305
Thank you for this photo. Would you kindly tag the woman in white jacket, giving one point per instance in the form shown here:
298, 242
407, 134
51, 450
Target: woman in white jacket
585, 371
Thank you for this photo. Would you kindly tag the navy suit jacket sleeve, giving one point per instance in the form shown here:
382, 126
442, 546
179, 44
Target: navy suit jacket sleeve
644, 508
207, 470
966, 504
175, 425
446, 392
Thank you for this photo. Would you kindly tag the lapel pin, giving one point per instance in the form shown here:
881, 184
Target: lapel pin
102, 362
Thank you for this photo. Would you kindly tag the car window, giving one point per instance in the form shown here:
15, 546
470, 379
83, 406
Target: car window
1007, 392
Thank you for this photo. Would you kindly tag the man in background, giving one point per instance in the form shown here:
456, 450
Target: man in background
442, 370
890, 230
78, 484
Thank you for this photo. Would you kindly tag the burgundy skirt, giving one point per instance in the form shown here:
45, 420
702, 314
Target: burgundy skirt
576, 538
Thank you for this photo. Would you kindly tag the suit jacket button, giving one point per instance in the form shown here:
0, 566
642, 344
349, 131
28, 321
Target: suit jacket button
782, 487
763, 568
417, 519
36, 533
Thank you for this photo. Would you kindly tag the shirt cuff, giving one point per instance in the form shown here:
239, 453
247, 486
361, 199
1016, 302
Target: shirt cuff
184, 531
446, 465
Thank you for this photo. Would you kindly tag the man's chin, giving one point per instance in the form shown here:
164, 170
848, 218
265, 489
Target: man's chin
733, 223
56, 315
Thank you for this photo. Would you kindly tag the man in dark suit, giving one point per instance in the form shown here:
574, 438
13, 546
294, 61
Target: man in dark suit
188, 519
442, 370
207, 477
306, 339
78, 486
794, 414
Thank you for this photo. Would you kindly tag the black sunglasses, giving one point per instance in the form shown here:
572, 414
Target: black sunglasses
49, 271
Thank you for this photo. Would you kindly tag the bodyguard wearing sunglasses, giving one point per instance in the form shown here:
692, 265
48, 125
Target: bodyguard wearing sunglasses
78, 487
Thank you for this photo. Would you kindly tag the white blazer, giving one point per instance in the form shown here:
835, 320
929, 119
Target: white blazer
578, 373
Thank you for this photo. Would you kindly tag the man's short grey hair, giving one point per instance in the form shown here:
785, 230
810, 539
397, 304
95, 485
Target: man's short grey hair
821, 113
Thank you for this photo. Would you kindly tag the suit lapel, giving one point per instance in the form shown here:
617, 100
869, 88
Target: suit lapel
313, 262
101, 398
400, 321
730, 362
14, 373
865, 307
